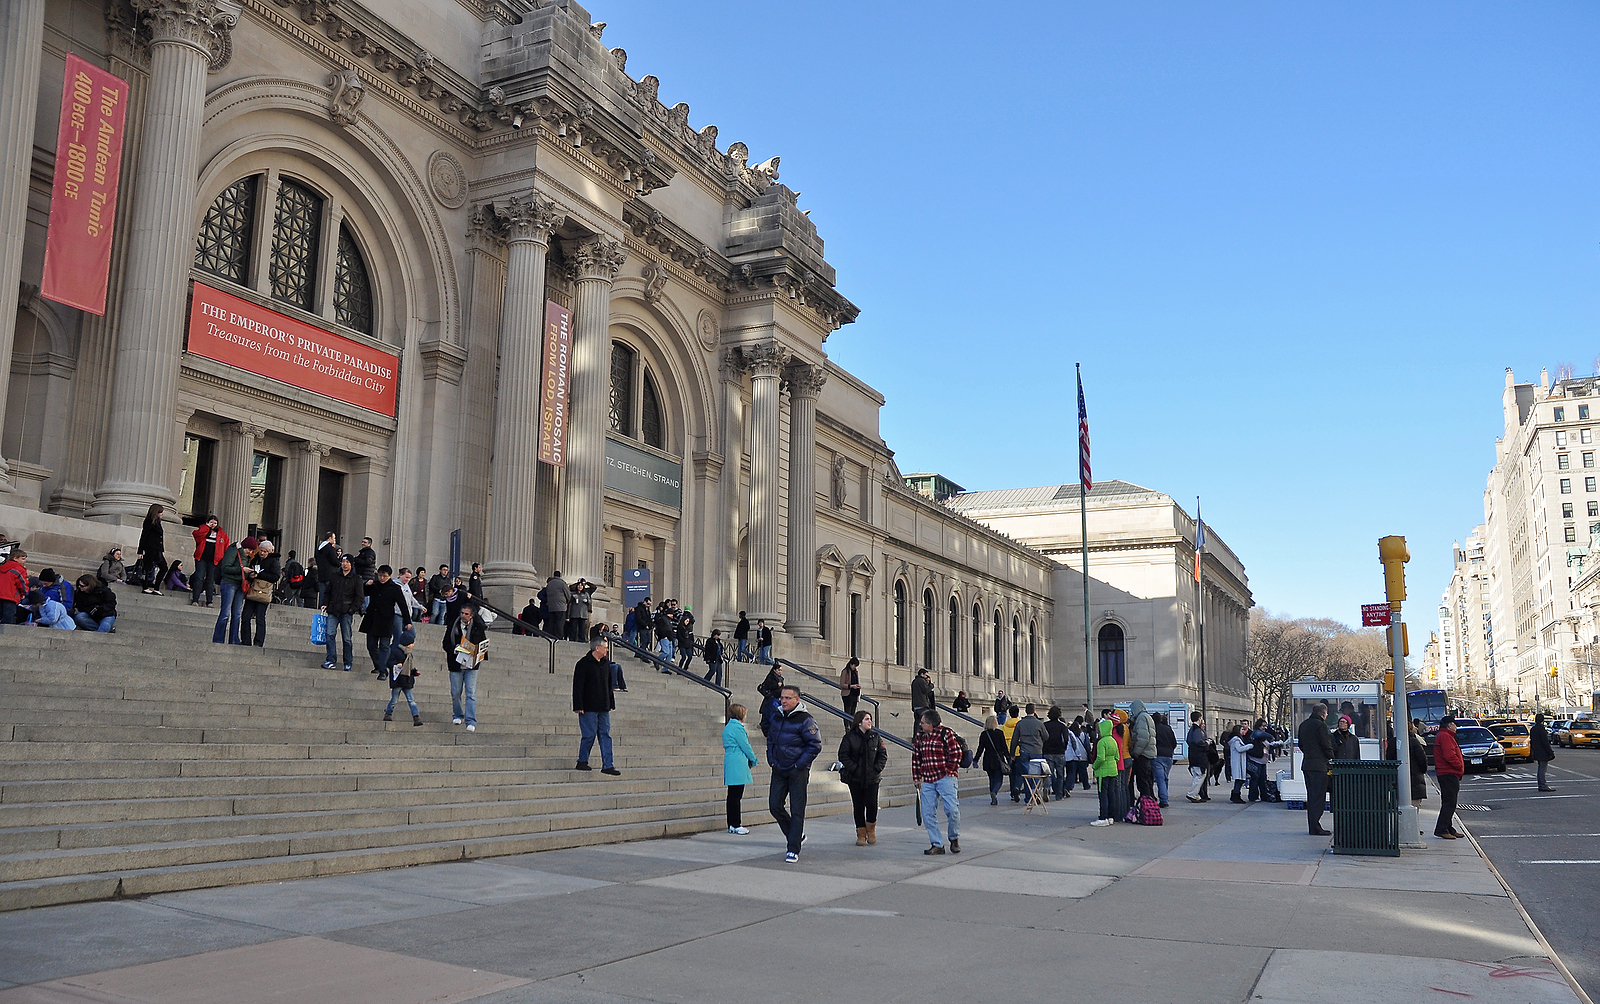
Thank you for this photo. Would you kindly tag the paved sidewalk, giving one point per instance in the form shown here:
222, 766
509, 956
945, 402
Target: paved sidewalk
1224, 904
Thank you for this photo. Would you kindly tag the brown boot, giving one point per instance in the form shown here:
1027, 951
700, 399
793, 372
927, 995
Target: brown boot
861, 836
872, 833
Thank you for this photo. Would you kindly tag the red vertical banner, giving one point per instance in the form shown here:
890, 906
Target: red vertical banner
555, 384
83, 201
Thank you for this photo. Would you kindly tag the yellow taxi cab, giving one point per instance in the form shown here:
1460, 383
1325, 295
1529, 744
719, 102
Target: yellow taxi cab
1584, 732
1516, 739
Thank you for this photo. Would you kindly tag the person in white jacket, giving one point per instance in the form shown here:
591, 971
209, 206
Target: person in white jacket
1238, 751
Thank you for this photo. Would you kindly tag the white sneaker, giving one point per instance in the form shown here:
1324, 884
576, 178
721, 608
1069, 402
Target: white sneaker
472, 728
741, 830
455, 721
1102, 822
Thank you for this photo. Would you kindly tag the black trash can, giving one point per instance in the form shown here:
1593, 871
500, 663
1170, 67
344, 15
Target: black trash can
1366, 807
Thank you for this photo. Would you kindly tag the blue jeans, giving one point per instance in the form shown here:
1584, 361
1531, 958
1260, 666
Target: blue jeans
1058, 774
714, 674
204, 580
104, 625
668, 651
378, 647
464, 695
941, 792
1163, 767
1257, 777
1106, 795
394, 695
437, 611
744, 650
594, 725
765, 656
996, 778
789, 785
228, 618
340, 624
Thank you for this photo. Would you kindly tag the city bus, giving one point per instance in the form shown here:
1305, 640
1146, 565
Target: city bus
1428, 706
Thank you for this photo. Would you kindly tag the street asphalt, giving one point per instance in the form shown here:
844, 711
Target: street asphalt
1223, 903
1547, 847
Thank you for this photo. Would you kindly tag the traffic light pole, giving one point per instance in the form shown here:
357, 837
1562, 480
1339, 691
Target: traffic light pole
1393, 554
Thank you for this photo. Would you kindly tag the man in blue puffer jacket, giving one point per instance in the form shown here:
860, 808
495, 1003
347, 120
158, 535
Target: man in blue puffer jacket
792, 743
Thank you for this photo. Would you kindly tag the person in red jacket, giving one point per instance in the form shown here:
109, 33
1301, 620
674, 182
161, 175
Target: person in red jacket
13, 585
210, 540
1448, 768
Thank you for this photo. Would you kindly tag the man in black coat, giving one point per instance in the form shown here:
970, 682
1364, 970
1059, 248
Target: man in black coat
593, 702
387, 610
341, 601
326, 561
1316, 749
1539, 748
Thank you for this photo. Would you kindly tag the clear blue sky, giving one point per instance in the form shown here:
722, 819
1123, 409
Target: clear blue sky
1294, 245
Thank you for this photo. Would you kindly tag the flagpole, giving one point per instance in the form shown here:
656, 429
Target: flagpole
1083, 514
1200, 603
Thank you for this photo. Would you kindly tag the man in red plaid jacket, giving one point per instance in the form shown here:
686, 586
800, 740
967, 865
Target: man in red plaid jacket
935, 763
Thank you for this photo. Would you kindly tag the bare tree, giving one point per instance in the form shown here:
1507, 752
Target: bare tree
1284, 651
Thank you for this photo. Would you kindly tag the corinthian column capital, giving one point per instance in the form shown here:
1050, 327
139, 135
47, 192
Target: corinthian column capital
202, 24
766, 358
529, 219
804, 380
594, 258
316, 448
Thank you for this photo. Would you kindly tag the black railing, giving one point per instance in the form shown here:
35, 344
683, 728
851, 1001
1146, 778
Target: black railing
959, 714
668, 666
530, 630
877, 711
849, 718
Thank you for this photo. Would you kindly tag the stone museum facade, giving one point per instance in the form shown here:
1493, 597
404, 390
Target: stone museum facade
371, 263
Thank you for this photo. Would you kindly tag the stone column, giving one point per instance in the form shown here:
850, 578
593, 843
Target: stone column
21, 42
727, 537
766, 363
508, 571
238, 463
160, 238
630, 555
804, 383
303, 533
594, 264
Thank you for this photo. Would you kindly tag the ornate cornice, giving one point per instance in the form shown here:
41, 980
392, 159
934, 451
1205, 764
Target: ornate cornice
594, 258
203, 25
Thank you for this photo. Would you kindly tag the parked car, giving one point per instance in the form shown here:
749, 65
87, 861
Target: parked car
1480, 749
1515, 739
1584, 732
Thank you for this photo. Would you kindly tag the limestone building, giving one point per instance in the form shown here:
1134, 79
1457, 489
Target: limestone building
561, 320
1466, 625
1144, 602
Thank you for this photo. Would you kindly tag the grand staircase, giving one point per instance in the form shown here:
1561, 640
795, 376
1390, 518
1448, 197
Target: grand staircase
152, 760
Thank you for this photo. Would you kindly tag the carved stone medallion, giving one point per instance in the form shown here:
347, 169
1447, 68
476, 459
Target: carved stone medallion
448, 179
707, 329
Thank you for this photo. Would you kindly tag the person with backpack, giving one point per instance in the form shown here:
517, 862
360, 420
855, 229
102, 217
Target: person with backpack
992, 756
863, 758
402, 675
294, 580
935, 765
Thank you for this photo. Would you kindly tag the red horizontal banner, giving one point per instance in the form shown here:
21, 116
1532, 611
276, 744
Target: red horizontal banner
247, 335
83, 199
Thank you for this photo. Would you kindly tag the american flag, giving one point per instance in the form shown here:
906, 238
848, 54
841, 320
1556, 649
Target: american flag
1083, 439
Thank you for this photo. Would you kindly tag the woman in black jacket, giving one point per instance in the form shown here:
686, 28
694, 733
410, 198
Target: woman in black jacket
152, 551
258, 566
863, 756
1539, 748
992, 750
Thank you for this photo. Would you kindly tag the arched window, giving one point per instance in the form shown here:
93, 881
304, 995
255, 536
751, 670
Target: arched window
223, 247
1016, 651
977, 640
1033, 652
352, 290
899, 623
1113, 670
955, 635
622, 388
650, 427
999, 646
927, 629
296, 228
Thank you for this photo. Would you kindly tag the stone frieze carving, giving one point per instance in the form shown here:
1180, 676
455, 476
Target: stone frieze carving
345, 94
448, 180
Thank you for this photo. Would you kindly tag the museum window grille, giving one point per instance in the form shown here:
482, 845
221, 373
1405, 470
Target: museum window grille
977, 640
899, 623
1016, 651
955, 635
823, 595
928, 629
1033, 652
296, 228
622, 388
223, 247
352, 290
999, 646
1113, 670
651, 428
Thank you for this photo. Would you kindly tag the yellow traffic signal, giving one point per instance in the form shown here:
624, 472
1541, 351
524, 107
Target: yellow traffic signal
1552, 672
1394, 555
1388, 682
1405, 640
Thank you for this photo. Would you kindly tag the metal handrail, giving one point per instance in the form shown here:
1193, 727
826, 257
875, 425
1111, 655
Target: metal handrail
671, 667
959, 714
848, 718
877, 711
532, 630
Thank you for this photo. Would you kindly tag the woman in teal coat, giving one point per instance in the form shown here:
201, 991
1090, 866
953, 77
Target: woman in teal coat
737, 759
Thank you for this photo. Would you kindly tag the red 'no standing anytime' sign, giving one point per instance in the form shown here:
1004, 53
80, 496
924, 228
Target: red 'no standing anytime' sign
1374, 615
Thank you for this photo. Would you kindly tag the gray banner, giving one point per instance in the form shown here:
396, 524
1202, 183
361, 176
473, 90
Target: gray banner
643, 475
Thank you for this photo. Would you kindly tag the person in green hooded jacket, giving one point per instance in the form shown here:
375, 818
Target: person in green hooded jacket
1105, 772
